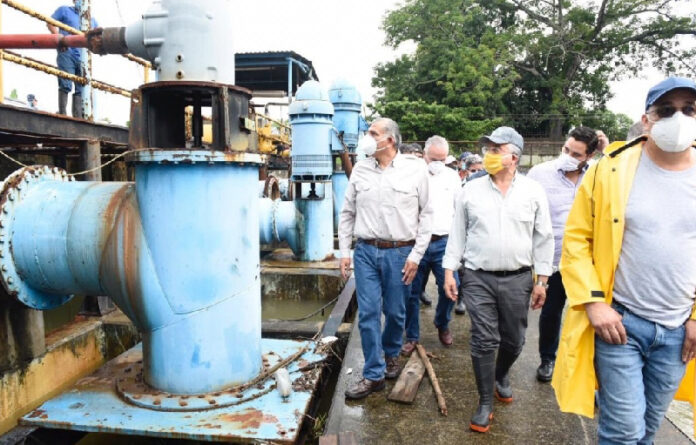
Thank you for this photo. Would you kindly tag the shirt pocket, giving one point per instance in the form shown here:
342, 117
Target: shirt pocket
402, 196
364, 194
523, 213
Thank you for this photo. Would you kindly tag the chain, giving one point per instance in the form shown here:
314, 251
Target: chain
84, 172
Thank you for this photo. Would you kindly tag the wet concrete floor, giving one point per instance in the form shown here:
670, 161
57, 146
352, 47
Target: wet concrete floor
533, 417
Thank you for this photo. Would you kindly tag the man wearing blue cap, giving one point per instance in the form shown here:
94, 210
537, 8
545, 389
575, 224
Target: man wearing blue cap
69, 58
629, 276
501, 230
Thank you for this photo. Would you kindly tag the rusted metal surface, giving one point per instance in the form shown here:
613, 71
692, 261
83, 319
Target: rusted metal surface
159, 119
50, 69
271, 188
72, 352
284, 258
93, 405
23, 121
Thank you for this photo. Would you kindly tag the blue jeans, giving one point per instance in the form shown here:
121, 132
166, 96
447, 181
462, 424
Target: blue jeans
432, 261
68, 63
380, 289
637, 381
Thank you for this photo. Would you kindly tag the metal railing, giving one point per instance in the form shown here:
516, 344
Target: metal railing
54, 70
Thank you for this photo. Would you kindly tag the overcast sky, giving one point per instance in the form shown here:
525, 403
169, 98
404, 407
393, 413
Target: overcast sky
341, 38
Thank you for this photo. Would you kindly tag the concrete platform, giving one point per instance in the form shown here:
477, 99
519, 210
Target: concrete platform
533, 418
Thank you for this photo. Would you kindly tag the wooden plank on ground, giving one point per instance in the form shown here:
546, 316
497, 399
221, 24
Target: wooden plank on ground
329, 439
347, 438
406, 386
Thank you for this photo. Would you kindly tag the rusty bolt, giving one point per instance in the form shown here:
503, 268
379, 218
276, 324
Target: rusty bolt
10, 280
11, 197
179, 74
5, 210
3, 268
179, 57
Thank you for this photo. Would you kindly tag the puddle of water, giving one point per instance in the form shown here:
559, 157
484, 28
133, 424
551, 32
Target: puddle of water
289, 309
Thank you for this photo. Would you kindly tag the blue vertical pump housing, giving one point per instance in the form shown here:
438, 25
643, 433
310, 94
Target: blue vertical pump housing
312, 131
312, 127
347, 102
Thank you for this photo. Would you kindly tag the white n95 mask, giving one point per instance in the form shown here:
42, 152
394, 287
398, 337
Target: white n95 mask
674, 134
567, 163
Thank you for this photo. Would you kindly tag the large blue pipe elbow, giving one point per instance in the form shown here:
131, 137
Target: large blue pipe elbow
162, 248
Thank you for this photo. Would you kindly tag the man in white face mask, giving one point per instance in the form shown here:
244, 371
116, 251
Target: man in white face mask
630, 275
560, 179
444, 185
386, 209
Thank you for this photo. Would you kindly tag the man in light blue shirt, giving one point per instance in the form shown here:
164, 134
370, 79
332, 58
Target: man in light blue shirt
560, 180
69, 58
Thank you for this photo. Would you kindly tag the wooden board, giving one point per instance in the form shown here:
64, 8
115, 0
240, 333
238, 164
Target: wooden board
406, 386
347, 438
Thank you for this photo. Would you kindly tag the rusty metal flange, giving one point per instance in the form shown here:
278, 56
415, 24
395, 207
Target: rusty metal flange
13, 190
132, 388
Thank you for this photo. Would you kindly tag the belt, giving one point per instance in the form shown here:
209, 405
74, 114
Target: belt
506, 273
382, 244
437, 237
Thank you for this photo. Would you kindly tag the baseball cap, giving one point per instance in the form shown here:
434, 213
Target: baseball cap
450, 159
464, 155
667, 85
504, 135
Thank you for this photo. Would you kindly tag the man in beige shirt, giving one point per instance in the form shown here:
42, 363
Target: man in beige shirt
386, 209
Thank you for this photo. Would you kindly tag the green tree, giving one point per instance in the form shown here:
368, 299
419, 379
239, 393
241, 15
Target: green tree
539, 65
455, 81
570, 50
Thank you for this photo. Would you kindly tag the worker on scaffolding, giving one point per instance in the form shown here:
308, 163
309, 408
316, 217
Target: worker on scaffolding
69, 58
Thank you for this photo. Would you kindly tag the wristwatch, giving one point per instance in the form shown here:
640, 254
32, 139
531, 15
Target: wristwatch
542, 284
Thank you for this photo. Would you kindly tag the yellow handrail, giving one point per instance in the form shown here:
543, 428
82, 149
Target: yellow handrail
50, 69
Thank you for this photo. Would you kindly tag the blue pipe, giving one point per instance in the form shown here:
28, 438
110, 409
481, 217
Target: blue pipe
339, 182
317, 223
280, 221
185, 269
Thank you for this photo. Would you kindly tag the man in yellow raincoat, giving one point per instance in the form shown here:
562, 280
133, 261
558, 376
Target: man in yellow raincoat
630, 275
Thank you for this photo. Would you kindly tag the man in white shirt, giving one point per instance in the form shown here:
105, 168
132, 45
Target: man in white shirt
386, 209
501, 230
444, 186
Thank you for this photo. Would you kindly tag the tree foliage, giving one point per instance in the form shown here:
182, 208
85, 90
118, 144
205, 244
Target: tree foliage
539, 65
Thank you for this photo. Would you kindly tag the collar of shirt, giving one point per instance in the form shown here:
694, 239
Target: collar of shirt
395, 162
495, 187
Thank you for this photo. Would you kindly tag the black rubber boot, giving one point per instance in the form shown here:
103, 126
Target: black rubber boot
62, 102
77, 106
484, 371
503, 389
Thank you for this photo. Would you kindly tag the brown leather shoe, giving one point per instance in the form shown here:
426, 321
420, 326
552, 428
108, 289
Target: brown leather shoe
408, 348
393, 368
445, 336
363, 388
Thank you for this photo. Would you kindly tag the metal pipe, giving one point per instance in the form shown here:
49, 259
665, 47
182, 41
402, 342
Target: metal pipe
41, 41
172, 265
86, 62
51, 21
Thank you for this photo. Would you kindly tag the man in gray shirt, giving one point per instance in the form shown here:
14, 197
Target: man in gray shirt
501, 230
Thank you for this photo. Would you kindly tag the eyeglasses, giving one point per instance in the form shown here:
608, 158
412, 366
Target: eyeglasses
665, 111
